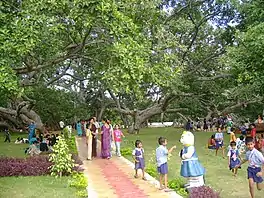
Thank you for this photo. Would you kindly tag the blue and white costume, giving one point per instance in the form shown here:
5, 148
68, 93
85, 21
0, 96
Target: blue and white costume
191, 167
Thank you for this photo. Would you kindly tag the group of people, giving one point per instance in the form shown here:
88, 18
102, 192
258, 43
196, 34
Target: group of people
41, 143
209, 124
216, 141
161, 157
253, 147
111, 137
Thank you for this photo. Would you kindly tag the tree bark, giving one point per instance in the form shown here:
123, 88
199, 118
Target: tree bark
141, 117
18, 119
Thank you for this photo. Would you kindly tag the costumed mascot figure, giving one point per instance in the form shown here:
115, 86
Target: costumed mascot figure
191, 168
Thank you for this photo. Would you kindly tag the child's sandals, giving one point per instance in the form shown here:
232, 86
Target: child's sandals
144, 178
167, 190
135, 176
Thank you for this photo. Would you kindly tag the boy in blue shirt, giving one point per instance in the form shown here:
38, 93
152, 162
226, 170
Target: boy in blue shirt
256, 161
162, 159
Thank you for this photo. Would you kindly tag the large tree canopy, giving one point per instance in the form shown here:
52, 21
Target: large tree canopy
137, 58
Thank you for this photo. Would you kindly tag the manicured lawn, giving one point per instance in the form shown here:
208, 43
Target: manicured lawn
35, 187
11, 149
217, 172
30, 187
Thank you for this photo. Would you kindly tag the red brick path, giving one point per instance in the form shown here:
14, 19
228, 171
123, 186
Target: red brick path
114, 178
122, 185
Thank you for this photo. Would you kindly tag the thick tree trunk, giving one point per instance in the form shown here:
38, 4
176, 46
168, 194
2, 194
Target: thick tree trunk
101, 112
209, 115
17, 119
140, 117
127, 120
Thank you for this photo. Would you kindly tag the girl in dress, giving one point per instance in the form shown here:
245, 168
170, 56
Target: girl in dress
219, 140
118, 138
233, 158
138, 156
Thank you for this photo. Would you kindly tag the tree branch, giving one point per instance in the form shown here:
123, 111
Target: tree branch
24, 70
59, 76
229, 109
212, 78
175, 110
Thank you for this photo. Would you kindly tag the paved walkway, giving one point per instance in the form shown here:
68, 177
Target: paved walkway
114, 178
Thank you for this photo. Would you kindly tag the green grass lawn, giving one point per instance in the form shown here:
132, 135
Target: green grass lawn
30, 187
12, 149
217, 175
35, 187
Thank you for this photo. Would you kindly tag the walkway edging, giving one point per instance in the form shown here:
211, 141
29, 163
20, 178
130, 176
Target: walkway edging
90, 191
149, 178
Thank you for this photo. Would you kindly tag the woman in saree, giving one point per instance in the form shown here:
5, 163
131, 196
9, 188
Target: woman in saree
105, 140
31, 129
91, 139
79, 128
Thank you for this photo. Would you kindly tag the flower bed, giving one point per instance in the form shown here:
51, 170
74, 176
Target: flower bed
31, 166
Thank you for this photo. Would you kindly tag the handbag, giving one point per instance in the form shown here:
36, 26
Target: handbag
113, 146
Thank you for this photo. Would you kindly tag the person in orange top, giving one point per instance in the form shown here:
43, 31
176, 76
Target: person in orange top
232, 136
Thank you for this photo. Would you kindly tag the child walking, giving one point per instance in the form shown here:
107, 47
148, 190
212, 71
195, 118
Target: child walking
118, 138
219, 140
233, 158
138, 156
162, 158
256, 161
7, 135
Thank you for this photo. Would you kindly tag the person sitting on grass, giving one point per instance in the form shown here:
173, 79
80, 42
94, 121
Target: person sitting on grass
33, 149
52, 140
219, 140
19, 140
162, 158
211, 142
256, 161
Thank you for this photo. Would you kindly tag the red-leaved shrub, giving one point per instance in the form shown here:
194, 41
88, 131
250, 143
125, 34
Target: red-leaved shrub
31, 166
203, 192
